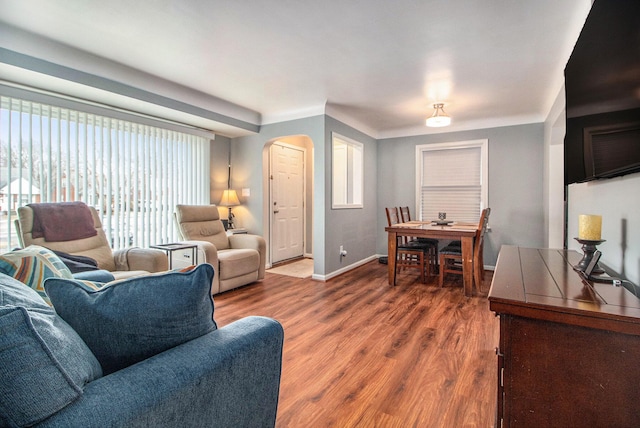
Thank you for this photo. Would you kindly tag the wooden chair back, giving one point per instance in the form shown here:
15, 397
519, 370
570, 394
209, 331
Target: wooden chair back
478, 247
392, 216
405, 214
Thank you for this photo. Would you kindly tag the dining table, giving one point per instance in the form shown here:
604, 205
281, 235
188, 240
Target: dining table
453, 231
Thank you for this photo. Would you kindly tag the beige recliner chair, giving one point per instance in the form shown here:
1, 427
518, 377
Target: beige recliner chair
123, 263
237, 259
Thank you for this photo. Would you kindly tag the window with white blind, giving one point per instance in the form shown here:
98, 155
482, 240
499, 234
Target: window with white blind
133, 174
452, 178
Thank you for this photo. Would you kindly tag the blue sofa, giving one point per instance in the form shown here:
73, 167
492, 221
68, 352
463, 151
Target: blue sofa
227, 378
81, 363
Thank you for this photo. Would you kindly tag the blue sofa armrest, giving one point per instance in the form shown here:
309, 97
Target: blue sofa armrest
227, 378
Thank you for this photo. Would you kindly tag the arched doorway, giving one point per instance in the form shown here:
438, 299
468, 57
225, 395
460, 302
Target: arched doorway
288, 202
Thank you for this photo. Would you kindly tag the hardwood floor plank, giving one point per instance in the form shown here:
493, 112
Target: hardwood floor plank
360, 353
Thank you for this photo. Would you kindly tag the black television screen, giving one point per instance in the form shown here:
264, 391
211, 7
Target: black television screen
602, 87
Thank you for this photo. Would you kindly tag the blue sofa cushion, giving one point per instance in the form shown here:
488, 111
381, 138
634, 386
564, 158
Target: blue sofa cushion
32, 265
127, 321
44, 364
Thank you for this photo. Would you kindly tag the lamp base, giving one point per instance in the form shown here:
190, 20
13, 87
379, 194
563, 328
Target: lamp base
588, 248
230, 217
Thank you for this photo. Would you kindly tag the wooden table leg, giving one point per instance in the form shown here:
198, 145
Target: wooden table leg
478, 270
467, 264
391, 258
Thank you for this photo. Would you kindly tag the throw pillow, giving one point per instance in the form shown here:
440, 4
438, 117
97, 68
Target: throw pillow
32, 265
44, 364
130, 320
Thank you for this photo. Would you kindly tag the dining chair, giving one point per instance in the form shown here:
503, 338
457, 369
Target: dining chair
451, 255
429, 243
408, 254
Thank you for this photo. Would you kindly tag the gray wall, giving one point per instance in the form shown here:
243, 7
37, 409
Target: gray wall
617, 201
355, 229
247, 155
515, 183
352, 228
515, 186
218, 166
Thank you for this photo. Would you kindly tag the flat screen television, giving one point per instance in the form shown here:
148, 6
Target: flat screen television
602, 88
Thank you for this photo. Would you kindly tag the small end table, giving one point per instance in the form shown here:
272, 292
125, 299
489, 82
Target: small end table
176, 246
238, 231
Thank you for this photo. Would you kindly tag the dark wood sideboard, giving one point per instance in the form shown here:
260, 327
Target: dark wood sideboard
569, 351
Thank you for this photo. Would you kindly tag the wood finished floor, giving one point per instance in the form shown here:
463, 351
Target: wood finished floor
360, 353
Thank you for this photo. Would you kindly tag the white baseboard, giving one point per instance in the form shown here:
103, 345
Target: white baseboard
344, 269
353, 266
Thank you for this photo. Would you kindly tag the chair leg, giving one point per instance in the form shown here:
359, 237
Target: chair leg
415, 259
478, 269
434, 259
427, 266
442, 268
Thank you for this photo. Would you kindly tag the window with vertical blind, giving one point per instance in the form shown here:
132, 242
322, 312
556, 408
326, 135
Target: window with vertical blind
133, 174
452, 178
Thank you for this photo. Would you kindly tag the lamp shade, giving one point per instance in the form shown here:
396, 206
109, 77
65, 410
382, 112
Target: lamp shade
229, 198
439, 117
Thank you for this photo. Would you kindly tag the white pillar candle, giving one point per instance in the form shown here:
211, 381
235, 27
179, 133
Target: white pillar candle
589, 227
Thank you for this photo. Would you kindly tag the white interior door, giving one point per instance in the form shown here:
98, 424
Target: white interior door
287, 202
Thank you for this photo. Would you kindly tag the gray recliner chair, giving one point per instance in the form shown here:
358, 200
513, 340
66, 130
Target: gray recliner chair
237, 259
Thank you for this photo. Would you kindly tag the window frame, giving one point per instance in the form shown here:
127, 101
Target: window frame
352, 169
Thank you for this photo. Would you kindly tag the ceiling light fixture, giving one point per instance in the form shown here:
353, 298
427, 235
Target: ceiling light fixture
439, 117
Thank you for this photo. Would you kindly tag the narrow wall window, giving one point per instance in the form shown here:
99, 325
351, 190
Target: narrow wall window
347, 167
452, 178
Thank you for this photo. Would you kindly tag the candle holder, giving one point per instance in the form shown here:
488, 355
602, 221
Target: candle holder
588, 248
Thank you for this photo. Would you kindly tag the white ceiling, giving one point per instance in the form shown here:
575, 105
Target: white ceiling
379, 64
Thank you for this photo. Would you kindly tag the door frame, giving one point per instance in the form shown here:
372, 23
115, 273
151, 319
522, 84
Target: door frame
304, 196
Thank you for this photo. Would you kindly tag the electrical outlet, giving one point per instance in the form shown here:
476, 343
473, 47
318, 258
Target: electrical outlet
343, 252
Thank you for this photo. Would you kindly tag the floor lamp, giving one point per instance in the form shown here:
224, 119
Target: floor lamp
229, 196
